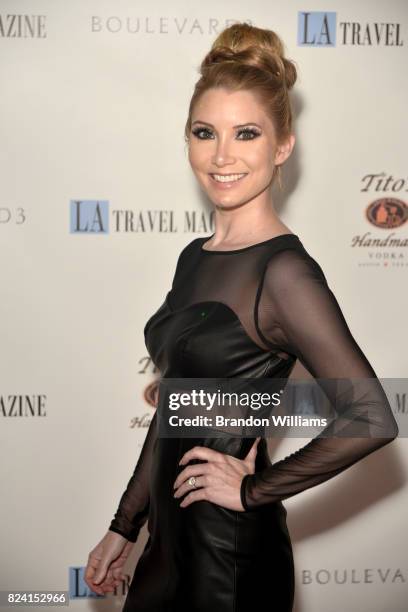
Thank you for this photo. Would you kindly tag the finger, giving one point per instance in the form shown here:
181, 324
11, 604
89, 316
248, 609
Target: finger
109, 576
91, 566
95, 589
109, 586
186, 487
89, 572
194, 496
196, 469
253, 451
98, 591
118, 579
89, 576
117, 572
89, 583
106, 586
100, 574
202, 452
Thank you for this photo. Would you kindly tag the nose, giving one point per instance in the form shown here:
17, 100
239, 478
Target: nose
223, 154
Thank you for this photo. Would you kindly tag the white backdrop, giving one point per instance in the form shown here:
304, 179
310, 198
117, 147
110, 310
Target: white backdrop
93, 104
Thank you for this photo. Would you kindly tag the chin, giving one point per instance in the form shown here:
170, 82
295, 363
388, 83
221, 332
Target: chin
227, 203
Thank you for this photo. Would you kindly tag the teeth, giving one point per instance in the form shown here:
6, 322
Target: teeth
227, 178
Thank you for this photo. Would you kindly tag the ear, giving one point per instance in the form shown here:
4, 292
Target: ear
284, 150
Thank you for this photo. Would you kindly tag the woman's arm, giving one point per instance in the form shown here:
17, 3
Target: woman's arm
297, 311
133, 507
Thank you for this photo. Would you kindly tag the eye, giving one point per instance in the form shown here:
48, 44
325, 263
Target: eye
198, 131
251, 132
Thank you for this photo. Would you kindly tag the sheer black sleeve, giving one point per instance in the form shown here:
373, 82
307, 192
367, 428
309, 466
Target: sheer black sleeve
133, 507
297, 311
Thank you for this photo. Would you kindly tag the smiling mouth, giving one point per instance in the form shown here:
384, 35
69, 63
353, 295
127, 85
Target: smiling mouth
227, 178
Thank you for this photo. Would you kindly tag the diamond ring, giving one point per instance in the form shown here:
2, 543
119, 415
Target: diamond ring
192, 481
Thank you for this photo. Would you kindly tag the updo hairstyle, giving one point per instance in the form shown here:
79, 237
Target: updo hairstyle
244, 57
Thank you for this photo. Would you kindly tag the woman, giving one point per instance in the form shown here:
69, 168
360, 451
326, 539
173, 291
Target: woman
247, 302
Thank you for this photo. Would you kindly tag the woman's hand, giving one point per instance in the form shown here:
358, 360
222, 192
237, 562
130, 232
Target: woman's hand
104, 570
217, 481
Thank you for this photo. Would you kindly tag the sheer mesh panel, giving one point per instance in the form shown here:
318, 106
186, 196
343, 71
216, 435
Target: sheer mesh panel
133, 507
298, 311
231, 278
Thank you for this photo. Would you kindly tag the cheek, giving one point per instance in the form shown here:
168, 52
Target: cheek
259, 159
198, 157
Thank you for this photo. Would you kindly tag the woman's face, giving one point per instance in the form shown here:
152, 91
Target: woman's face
232, 135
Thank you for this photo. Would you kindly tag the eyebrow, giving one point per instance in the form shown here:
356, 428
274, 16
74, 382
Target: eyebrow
234, 126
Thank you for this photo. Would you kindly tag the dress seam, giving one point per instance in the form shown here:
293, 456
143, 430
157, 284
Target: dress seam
258, 294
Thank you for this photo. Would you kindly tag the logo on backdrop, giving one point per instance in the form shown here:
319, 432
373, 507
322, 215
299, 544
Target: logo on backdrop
23, 405
387, 212
385, 246
14, 215
150, 396
187, 26
319, 29
362, 575
89, 217
22, 26
92, 217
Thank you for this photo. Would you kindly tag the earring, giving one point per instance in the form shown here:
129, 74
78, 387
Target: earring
279, 176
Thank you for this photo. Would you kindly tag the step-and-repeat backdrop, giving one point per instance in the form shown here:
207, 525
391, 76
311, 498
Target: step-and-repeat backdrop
97, 199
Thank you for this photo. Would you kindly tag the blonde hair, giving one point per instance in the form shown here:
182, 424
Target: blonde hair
244, 57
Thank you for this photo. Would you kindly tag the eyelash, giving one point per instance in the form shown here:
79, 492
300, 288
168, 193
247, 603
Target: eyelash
254, 133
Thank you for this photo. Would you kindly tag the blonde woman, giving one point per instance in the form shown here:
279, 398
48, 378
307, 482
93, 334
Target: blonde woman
247, 301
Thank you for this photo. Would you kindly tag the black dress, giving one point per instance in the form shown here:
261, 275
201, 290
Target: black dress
249, 312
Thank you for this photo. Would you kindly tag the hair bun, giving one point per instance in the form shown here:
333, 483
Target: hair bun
248, 45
